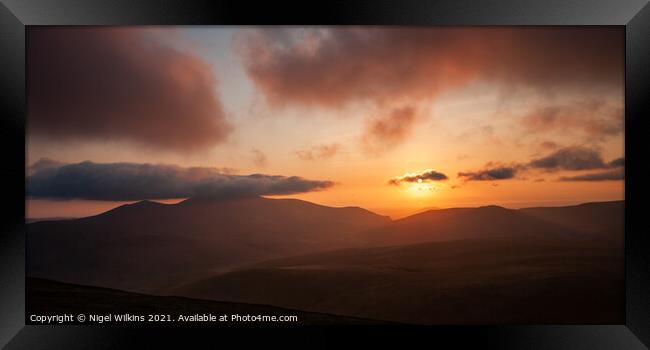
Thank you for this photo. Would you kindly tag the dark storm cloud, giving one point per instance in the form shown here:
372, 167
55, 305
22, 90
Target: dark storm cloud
497, 173
132, 181
336, 66
428, 175
120, 84
570, 158
609, 175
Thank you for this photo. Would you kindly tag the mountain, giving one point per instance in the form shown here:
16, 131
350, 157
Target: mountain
504, 280
463, 223
487, 265
45, 297
597, 217
32, 220
149, 246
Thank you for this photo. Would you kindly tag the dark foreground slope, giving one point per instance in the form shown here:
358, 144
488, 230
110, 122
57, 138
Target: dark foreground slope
148, 246
45, 297
477, 281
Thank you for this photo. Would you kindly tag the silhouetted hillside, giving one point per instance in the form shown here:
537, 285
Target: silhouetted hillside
505, 280
600, 217
465, 265
462, 223
45, 297
147, 245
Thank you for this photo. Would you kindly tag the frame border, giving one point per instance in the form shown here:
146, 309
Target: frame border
634, 15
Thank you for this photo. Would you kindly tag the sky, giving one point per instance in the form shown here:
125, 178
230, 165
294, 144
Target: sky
391, 119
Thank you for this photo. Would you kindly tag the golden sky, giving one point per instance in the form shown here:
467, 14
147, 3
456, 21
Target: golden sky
394, 120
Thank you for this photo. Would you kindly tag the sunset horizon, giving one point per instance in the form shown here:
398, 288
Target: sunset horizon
336, 175
75, 209
393, 120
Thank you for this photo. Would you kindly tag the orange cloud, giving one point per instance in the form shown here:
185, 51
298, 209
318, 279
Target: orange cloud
324, 151
336, 66
259, 158
388, 130
120, 84
594, 118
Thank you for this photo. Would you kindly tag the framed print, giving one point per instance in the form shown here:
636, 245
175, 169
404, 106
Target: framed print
464, 173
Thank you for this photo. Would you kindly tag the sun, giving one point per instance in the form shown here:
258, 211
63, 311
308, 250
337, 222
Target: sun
421, 189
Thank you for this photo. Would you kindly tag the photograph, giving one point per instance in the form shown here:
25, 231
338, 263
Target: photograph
242, 176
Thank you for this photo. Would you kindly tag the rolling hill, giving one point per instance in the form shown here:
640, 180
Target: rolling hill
494, 221
600, 217
487, 265
148, 246
475, 281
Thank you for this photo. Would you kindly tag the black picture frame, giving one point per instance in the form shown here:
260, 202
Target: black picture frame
15, 15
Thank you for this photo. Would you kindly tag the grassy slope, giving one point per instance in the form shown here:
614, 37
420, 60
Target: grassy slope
45, 297
487, 281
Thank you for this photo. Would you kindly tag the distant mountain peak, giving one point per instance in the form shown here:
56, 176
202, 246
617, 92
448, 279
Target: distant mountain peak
492, 207
143, 203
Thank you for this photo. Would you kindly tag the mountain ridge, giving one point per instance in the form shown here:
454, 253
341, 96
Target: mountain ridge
164, 245
164, 242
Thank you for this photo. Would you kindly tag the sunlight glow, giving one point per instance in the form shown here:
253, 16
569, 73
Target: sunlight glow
420, 189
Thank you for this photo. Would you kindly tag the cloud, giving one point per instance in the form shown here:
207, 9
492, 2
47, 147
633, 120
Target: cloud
43, 164
609, 175
549, 145
259, 158
389, 130
618, 162
489, 174
133, 181
324, 151
334, 67
383, 68
574, 158
616, 172
428, 175
570, 158
595, 119
100, 84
